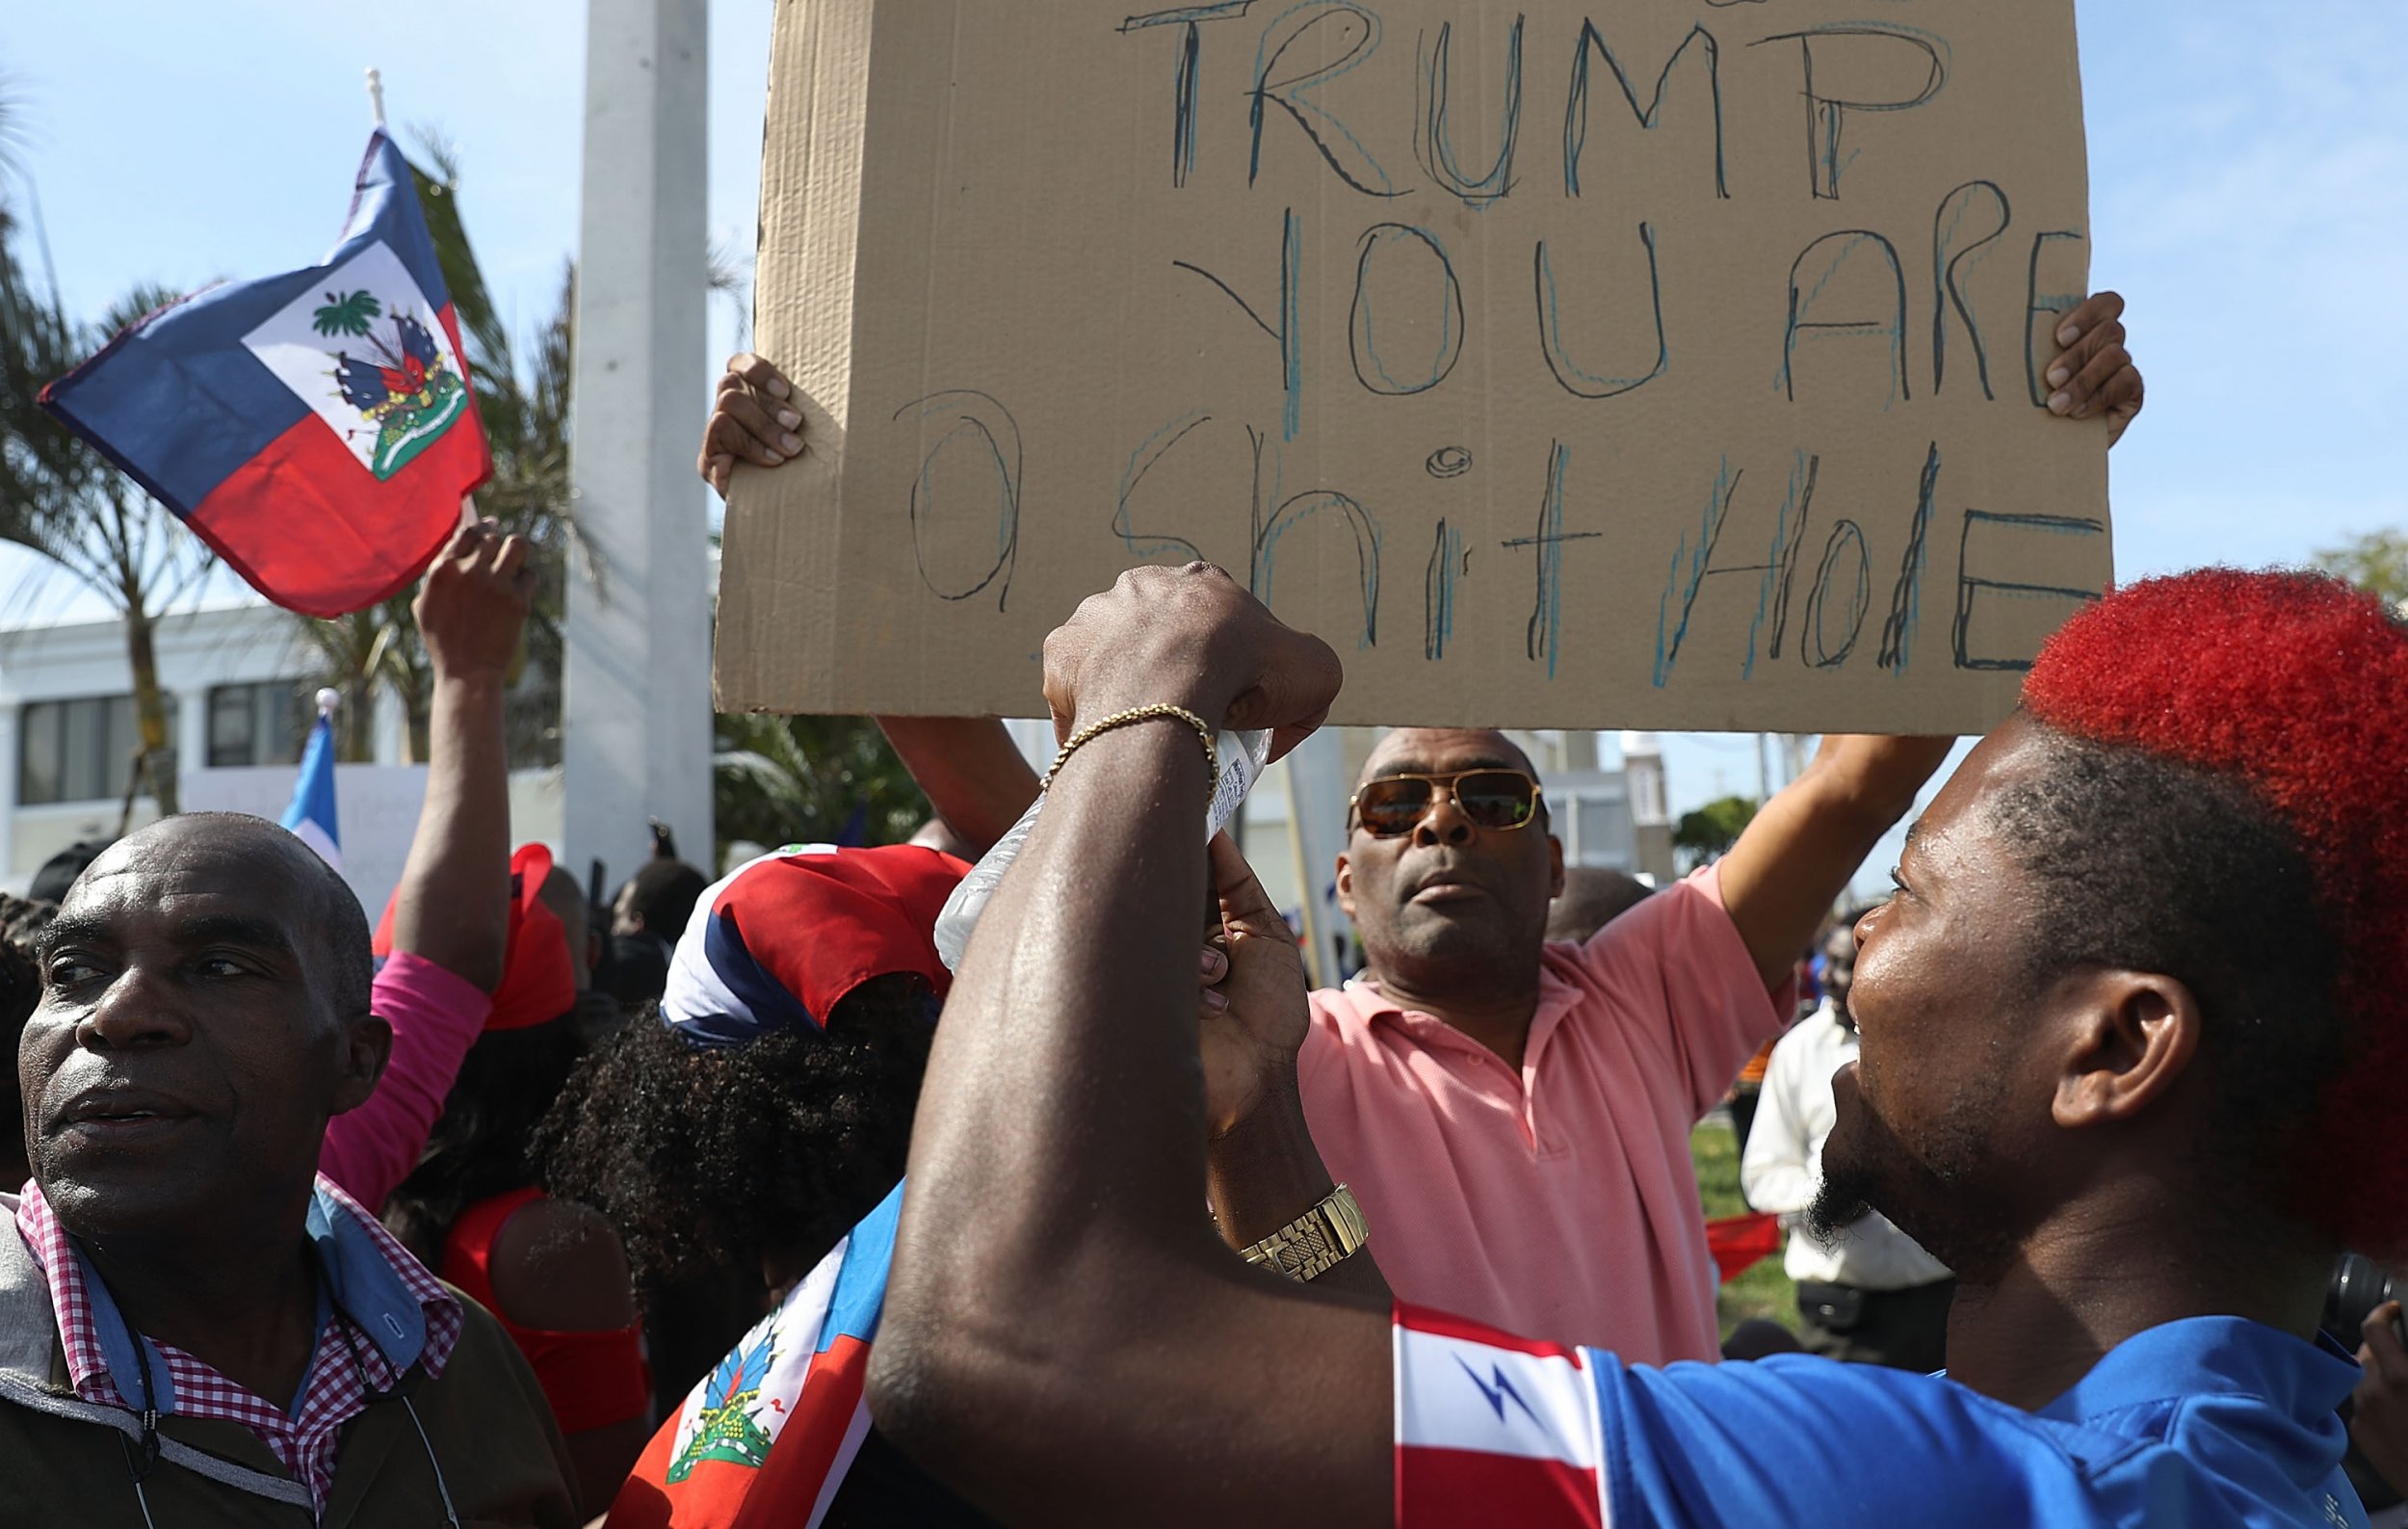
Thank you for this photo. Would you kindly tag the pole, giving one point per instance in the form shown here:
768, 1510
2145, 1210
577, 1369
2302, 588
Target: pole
635, 703
1317, 796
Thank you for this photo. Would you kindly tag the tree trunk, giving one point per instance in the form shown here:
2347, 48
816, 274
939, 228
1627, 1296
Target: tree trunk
151, 713
418, 707
354, 723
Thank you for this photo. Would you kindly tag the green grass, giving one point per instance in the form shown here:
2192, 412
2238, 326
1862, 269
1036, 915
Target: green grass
1765, 1290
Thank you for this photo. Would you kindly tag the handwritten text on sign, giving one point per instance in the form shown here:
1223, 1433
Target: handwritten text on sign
1676, 363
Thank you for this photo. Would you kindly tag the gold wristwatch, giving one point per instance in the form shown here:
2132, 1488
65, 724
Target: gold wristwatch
1315, 1242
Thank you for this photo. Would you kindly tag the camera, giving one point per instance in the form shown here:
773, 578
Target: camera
2359, 1286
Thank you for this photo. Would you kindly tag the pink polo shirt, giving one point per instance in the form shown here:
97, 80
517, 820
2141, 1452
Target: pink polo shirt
1557, 1202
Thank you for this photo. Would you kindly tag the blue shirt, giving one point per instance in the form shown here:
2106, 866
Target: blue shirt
2208, 1421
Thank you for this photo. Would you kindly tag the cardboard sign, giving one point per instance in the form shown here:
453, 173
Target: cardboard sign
1667, 363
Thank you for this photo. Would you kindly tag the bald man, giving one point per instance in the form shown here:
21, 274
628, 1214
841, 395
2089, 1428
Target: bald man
1592, 897
195, 1326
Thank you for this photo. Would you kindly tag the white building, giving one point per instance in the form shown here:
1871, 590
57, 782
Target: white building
238, 681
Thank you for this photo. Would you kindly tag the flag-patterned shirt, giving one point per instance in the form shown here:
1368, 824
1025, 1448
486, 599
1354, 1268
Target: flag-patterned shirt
351, 1365
2206, 1421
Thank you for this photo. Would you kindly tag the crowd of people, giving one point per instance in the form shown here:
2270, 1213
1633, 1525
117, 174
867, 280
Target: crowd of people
728, 1203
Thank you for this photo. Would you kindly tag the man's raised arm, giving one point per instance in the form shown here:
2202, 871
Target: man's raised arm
973, 774
451, 914
1056, 1282
1781, 878
1794, 859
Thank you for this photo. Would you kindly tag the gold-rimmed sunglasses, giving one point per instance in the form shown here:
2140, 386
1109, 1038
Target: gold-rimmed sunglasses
1498, 800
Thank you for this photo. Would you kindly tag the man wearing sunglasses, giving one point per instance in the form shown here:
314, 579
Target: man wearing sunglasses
1513, 1118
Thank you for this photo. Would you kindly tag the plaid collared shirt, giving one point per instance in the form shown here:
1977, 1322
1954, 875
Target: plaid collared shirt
346, 1370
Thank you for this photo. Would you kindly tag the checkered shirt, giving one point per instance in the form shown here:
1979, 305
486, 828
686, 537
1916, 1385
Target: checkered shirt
335, 1390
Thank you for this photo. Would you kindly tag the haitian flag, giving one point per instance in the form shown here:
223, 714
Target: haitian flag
317, 429
766, 1439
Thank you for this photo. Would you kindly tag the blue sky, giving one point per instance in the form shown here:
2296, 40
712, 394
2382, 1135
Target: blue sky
2249, 183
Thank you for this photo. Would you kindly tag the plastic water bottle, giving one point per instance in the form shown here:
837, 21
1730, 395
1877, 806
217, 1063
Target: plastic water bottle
1243, 755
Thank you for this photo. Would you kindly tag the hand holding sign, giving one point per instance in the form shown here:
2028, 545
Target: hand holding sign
1189, 637
1521, 355
2094, 374
753, 420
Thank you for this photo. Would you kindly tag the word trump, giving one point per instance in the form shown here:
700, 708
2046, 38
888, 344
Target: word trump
1662, 365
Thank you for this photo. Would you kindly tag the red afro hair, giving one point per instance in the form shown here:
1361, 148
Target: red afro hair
2295, 685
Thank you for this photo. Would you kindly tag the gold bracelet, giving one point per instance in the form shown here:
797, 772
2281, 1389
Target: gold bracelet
1123, 718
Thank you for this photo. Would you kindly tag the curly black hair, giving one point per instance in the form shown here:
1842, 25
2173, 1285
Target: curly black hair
481, 1146
708, 1159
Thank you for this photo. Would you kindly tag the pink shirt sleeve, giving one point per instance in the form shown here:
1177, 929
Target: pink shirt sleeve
1686, 985
436, 1016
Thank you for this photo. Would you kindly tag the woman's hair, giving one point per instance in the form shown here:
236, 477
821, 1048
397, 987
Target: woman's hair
483, 1145
708, 1158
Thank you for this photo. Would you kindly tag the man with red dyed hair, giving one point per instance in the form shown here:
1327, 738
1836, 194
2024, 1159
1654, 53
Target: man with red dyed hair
2136, 993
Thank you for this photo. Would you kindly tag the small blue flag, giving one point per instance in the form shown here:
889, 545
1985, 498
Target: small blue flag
311, 816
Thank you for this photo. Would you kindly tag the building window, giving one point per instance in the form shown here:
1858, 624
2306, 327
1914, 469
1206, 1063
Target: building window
79, 751
261, 724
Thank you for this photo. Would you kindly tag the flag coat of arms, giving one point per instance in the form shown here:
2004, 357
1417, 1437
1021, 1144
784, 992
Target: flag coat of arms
317, 429
767, 1438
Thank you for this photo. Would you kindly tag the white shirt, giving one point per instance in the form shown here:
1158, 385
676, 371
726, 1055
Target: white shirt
1783, 1165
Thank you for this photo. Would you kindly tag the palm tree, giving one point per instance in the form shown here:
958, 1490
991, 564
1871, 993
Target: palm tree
62, 499
2376, 562
794, 780
349, 313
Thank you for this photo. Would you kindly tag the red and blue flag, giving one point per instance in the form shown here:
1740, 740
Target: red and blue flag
317, 429
767, 1438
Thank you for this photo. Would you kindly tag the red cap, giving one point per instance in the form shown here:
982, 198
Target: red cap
539, 979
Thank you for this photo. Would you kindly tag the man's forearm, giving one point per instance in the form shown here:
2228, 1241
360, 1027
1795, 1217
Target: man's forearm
972, 771
1065, 1340
1265, 1173
452, 906
1780, 880
1084, 998
1057, 1159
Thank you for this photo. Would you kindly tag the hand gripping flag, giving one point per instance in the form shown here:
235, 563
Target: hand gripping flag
311, 816
317, 429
